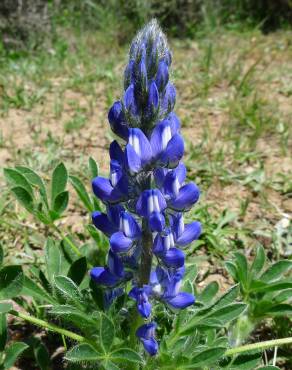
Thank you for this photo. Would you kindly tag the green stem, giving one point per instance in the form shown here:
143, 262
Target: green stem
46, 325
68, 240
260, 345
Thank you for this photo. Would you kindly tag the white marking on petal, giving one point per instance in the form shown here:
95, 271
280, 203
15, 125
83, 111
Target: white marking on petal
156, 203
171, 240
166, 136
150, 204
177, 287
125, 226
181, 226
114, 178
175, 186
157, 289
134, 141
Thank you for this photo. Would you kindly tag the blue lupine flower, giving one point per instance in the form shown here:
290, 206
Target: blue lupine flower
141, 295
146, 333
146, 192
166, 284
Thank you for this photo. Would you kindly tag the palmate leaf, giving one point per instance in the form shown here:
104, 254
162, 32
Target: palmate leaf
242, 362
60, 203
208, 293
78, 270
93, 167
107, 333
259, 261
32, 289
13, 352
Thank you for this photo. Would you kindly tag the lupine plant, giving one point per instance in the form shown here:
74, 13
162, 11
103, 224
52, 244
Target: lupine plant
131, 301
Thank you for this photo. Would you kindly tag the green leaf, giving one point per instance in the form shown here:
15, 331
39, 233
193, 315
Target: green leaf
68, 288
42, 356
206, 357
61, 202
108, 365
34, 180
24, 198
209, 292
78, 270
232, 270
107, 333
53, 259
82, 193
227, 313
13, 352
59, 181
260, 286
283, 309
93, 167
72, 314
242, 268
82, 352
125, 354
3, 332
1, 255
276, 271
5, 307
243, 362
259, 261
11, 279
227, 298
283, 296
32, 289
269, 367
16, 179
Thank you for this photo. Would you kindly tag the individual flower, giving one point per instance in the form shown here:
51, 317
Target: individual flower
146, 334
141, 295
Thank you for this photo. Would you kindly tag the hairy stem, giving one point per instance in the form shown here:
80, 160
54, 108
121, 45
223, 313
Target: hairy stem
260, 345
146, 256
47, 325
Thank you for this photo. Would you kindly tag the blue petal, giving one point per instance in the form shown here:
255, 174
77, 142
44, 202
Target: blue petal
115, 264
103, 189
160, 137
141, 75
171, 185
133, 161
146, 331
130, 100
144, 308
191, 232
168, 57
174, 122
153, 98
117, 120
159, 176
116, 152
110, 295
181, 300
141, 145
120, 243
102, 223
150, 201
187, 197
129, 74
162, 75
169, 98
129, 226
173, 258
114, 214
156, 221
150, 345
181, 172
103, 276
173, 152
